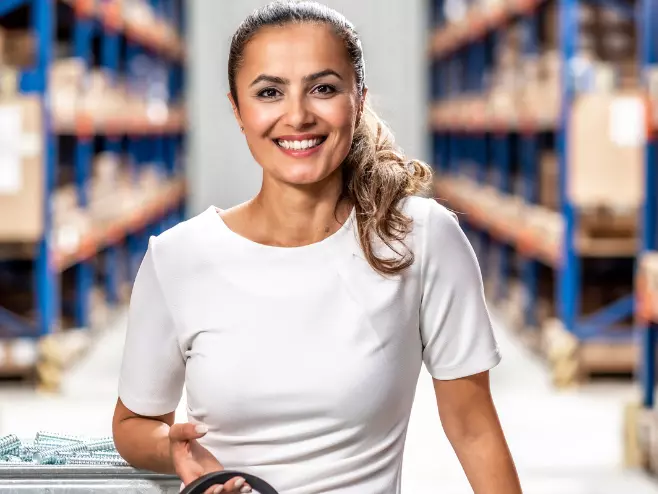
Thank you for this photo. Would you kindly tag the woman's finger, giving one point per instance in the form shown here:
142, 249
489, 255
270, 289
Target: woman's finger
187, 432
215, 489
223, 489
235, 485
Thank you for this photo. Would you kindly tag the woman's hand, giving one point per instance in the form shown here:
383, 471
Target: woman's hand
191, 460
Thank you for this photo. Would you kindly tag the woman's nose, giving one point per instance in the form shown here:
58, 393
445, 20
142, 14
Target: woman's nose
299, 114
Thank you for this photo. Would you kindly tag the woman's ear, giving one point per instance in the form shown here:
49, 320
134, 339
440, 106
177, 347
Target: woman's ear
236, 111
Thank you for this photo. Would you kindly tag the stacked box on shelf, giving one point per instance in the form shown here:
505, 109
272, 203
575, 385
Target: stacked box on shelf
113, 82
553, 145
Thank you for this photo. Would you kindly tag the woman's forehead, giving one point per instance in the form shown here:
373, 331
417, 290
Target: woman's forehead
295, 50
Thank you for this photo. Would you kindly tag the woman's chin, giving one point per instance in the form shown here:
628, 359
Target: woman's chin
304, 177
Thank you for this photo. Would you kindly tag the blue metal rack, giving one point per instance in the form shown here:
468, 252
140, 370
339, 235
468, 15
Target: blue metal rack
156, 146
459, 69
648, 14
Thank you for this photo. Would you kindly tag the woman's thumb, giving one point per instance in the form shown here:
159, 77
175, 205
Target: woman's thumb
187, 432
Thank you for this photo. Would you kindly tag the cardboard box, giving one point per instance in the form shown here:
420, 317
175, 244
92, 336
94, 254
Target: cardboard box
21, 169
64, 200
540, 101
613, 18
608, 133
107, 183
94, 101
549, 29
19, 48
69, 229
106, 168
530, 69
617, 47
67, 82
8, 81
550, 66
549, 192
68, 72
2, 46
138, 13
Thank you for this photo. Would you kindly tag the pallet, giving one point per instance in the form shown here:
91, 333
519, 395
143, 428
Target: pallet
603, 232
60, 351
637, 436
572, 361
640, 438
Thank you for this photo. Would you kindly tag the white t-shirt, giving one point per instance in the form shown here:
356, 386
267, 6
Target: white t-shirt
303, 361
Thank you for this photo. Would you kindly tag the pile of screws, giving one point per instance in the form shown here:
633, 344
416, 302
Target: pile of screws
58, 449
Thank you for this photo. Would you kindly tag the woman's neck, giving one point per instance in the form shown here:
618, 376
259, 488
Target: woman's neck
289, 216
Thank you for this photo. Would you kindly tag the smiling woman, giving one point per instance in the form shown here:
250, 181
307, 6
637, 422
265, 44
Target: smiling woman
299, 320
299, 94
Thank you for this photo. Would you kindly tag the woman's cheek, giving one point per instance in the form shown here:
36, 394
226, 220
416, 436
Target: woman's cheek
337, 112
261, 119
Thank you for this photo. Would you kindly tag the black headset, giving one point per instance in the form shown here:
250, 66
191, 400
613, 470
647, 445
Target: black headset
200, 485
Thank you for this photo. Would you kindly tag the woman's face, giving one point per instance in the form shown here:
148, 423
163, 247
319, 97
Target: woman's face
298, 102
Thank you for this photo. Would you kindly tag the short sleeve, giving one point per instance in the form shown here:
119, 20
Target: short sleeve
153, 367
456, 328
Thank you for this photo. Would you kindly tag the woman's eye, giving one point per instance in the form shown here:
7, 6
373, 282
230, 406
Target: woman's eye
268, 93
324, 89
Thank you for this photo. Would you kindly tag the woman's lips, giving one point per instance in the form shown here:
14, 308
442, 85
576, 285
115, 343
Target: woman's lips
300, 146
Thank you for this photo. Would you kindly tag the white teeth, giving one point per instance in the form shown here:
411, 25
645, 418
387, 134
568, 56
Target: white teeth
299, 145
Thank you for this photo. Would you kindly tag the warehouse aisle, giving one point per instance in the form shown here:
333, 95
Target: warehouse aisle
567, 443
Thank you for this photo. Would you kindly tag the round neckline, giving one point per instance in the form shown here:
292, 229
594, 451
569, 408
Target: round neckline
330, 240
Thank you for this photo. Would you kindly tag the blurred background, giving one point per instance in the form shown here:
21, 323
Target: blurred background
537, 116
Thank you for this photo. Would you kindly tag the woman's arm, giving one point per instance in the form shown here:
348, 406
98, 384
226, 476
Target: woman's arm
470, 420
158, 445
143, 441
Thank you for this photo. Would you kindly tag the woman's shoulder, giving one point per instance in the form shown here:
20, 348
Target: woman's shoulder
186, 240
428, 213
437, 235
186, 230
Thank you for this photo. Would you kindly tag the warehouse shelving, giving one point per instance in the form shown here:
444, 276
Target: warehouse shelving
642, 418
149, 136
646, 288
477, 143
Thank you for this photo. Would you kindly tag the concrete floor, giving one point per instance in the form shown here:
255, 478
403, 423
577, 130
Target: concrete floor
562, 442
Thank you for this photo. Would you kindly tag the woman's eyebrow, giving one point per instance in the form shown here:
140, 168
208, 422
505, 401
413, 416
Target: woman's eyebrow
269, 78
280, 80
322, 73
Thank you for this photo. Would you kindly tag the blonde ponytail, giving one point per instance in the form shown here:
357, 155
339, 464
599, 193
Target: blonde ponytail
377, 176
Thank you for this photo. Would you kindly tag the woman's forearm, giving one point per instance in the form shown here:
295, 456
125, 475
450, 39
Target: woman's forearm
488, 463
144, 443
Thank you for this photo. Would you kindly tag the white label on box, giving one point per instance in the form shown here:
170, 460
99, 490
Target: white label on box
31, 145
627, 122
11, 176
11, 126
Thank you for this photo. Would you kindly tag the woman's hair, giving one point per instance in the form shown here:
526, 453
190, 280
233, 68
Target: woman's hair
376, 175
